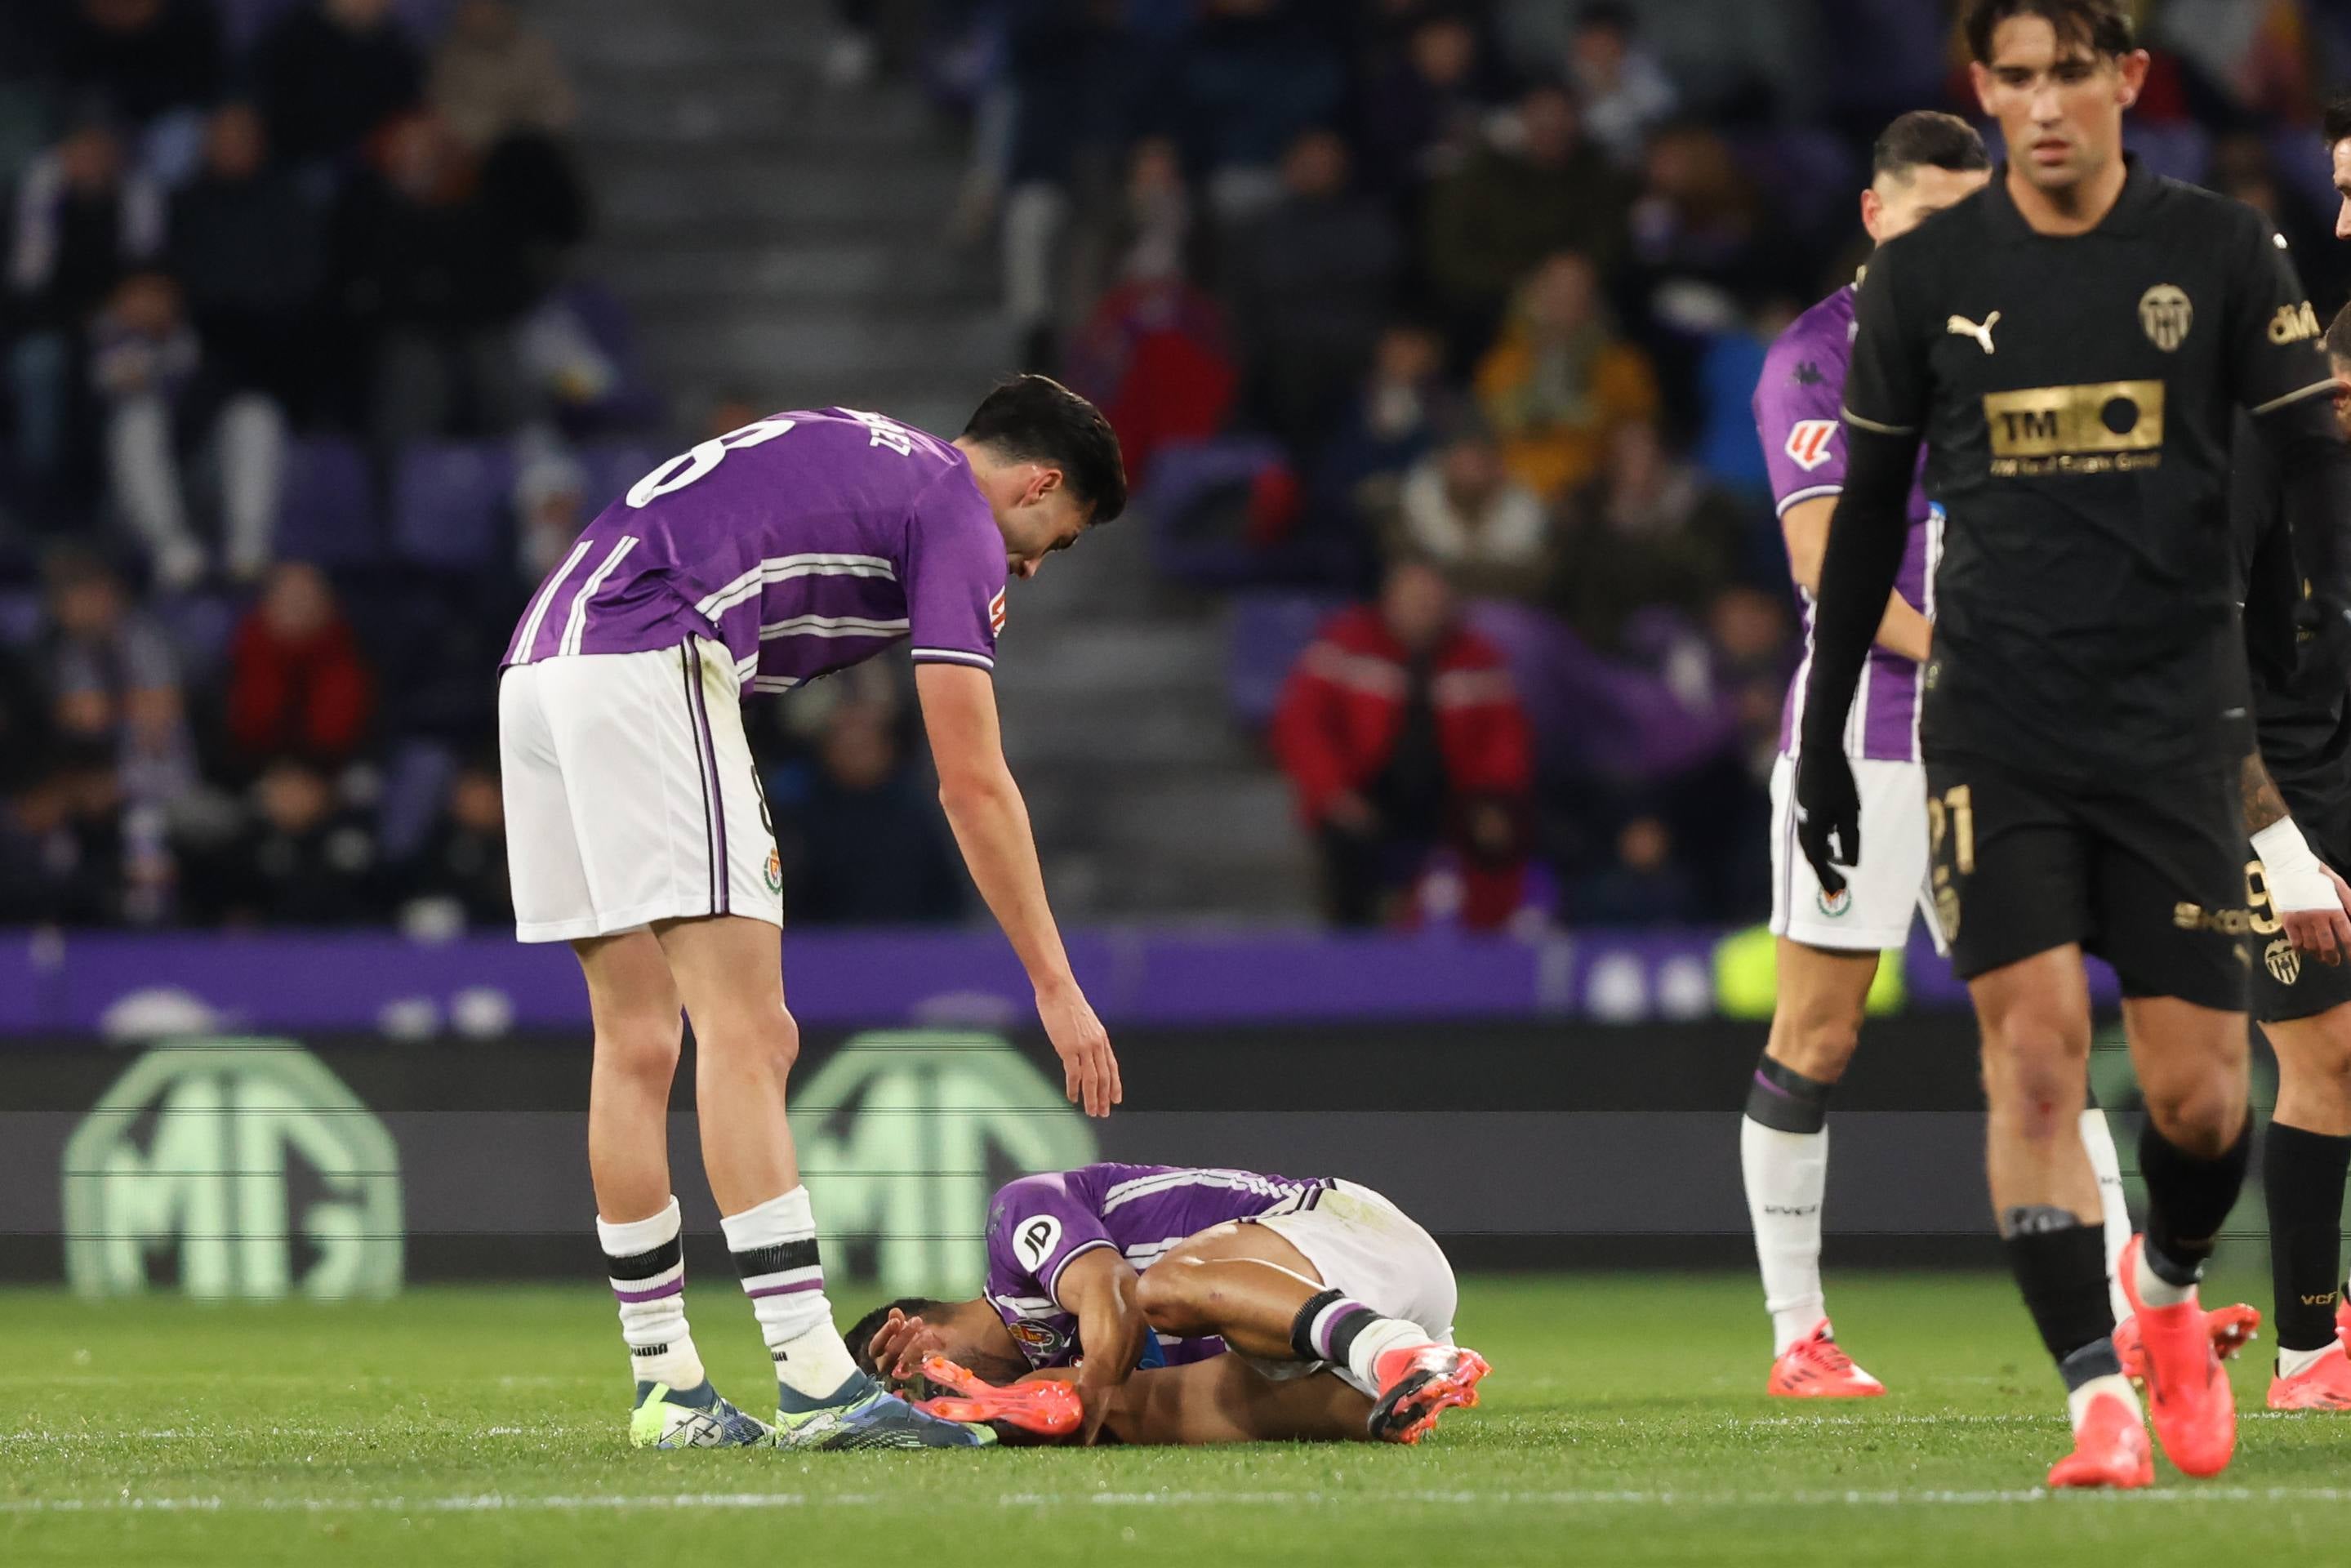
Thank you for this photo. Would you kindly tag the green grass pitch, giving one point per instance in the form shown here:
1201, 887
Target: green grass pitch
1623, 1425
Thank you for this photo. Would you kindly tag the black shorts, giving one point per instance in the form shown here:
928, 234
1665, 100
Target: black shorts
2151, 875
2289, 985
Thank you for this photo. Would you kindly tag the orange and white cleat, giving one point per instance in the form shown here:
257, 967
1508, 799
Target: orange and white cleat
1817, 1367
1049, 1409
2110, 1450
2231, 1329
2194, 1409
2323, 1385
1418, 1384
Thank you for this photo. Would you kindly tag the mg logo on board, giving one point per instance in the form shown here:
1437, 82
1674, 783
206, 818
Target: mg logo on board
233, 1168
905, 1135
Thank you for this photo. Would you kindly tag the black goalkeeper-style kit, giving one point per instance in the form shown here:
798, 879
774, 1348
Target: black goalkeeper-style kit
2085, 717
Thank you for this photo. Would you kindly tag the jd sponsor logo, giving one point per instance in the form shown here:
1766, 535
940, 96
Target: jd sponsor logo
233, 1168
904, 1135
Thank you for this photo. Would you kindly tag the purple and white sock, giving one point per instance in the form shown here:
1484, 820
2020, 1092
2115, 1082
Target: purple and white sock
645, 1259
1338, 1329
775, 1252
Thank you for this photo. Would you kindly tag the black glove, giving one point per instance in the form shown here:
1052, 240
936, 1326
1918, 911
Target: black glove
1828, 815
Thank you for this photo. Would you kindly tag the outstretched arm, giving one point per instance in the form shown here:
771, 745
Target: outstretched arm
991, 826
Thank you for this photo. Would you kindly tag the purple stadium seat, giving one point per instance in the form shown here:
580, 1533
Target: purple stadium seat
449, 503
327, 512
1267, 633
20, 616
200, 626
416, 781
245, 20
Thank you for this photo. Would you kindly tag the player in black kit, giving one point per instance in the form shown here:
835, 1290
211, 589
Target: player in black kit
2072, 344
2304, 724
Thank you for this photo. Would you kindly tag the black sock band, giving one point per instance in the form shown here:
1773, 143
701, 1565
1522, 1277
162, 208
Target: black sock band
2062, 1270
2092, 1360
1786, 1101
644, 1265
2187, 1200
2302, 1182
1301, 1327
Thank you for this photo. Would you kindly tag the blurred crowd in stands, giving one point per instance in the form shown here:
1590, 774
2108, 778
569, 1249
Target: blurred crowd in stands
1429, 326
1453, 309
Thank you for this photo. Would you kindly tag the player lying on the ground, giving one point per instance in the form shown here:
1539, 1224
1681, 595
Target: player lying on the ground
1245, 1288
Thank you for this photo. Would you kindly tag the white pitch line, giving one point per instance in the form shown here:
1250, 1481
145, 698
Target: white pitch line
498, 1502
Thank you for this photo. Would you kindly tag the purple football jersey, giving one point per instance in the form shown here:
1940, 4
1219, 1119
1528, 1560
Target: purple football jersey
1036, 1225
806, 542
1798, 414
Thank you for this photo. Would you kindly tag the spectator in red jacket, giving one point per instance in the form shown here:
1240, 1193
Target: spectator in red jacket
297, 686
1402, 733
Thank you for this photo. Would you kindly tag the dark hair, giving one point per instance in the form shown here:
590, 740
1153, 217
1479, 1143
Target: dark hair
860, 1332
2337, 123
1036, 419
1927, 139
2338, 335
2103, 26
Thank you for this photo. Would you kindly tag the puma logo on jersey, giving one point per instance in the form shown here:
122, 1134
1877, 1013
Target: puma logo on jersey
1961, 327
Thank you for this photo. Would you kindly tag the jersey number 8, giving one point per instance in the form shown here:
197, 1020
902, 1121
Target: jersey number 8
687, 467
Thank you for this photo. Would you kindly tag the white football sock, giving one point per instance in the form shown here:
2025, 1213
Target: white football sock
2078, 1403
1787, 1174
1377, 1338
2098, 1138
2294, 1363
645, 1259
775, 1252
2155, 1289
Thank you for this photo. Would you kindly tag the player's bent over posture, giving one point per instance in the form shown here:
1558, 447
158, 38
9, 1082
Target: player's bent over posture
1828, 946
2303, 721
2072, 344
793, 548
1242, 1286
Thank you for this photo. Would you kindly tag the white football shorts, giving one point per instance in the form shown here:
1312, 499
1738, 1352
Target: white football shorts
1873, 913
1374, 1252
631, 794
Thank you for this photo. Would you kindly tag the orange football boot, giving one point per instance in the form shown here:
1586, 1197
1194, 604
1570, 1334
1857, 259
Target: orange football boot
2231, 1329
1817, 1367
1050, 1409
2110, 1450
2323, 1385
2194, 1409
1418, 1384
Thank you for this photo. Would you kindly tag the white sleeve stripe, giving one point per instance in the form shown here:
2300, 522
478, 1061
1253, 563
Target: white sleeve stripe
1052, 1283
576, 624
1810, 493
1853, 418
953, 656
529, 636
2275, 403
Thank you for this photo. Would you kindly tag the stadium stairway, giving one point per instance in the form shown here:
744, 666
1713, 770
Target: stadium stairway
785, 241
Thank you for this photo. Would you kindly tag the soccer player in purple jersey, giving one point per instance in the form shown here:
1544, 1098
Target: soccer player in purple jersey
796, 546
1112, 1268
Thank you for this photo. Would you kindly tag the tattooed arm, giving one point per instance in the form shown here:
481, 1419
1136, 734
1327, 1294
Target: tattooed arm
2308, 897
2263, 806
